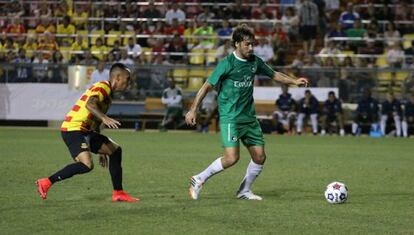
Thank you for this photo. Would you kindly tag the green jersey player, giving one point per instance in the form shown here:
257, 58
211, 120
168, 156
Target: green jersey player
233, 78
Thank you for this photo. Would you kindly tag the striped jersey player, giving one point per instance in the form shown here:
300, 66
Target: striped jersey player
80, 133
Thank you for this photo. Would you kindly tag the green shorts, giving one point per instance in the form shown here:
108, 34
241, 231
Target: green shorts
249, 133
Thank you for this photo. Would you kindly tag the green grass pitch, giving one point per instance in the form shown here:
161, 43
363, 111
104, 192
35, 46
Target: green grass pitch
378, 172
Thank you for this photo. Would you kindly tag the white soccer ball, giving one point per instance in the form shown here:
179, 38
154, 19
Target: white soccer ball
336, 193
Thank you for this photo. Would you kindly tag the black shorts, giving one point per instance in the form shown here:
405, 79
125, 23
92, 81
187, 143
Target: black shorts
366, 118
308, 32
78, 141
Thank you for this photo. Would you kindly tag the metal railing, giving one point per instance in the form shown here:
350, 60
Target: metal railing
150, 80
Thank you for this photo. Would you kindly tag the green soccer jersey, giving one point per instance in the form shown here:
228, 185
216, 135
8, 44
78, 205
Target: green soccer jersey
233, 77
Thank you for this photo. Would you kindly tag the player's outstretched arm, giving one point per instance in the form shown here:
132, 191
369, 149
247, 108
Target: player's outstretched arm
290, 81
191, 116
93, 107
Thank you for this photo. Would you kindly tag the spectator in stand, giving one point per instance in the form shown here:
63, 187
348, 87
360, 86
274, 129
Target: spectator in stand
264, 11
48, 45
206, 15
395, 56
263, 50
172, 99
188, 32
40, 68
133, 49
14, 9
308, 108
23, 70
206, 30
225, 30
403, 11
80, 16
392, 35
131, 10
157, 50
280, 38
66, 28
88, 58
330, 49
59, 71
16, 27
116, 50
45, 26
241, 11
100, 74
125, 59
260, 30
43, 10
78, 46
151, 12
10, 45
308, 21
62, 9
285, 110
408, 118
335, 30
290, 22
30, 46
347, 18
99, 49
175, 28
299, 59
366, 112
177, 45
174, 12
356, 32
332, 112
224, 50
391, 108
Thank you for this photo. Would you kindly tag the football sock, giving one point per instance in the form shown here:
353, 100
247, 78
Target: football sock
405, 128
69, 171
253, 170
354, 128
397, 122
115, 168
314, 121
211, 170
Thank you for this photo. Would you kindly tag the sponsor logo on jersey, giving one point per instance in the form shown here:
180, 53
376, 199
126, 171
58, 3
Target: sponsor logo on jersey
247, 82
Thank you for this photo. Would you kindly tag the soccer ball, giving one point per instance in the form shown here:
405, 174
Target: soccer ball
336, 193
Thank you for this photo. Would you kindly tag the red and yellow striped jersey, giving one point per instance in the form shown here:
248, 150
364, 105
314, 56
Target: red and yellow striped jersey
79, 117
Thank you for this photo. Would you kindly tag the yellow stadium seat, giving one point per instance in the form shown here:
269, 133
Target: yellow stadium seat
195, 83
198, 73
31, 33
113, 36
199, 58
381, 61
97, 34
407, 40
401, 75
180, 74
211, 57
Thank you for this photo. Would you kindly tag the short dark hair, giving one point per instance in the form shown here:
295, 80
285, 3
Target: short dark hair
307, 91
118, 66
241, 32
331, 93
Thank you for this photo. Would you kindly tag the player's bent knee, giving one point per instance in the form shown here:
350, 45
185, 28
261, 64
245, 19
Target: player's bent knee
259, 159
230, 160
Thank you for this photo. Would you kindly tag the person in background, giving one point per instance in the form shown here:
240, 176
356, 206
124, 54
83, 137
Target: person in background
285, 110
332, 110
308, 108
391, 108
173, 100
366, 112
408, 118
